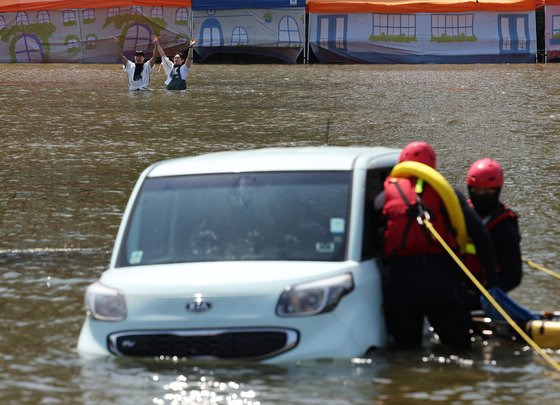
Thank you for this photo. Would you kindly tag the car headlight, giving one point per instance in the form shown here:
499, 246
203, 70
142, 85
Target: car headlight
104, 303
314, 298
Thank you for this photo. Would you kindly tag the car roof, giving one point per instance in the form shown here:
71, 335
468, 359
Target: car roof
313, 158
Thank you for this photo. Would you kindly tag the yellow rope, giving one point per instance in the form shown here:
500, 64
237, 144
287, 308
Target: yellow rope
485, 292
541, 268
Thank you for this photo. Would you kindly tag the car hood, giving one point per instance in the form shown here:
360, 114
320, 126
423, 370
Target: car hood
219, 278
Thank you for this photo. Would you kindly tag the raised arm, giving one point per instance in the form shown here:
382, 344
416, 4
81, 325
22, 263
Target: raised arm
188, 54
119, 51
157, 47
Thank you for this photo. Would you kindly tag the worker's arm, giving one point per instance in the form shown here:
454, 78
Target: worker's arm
481, 239
506, 238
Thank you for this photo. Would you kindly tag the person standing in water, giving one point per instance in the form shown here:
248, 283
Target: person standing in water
178, 70
485, 179
139, 71
420, 278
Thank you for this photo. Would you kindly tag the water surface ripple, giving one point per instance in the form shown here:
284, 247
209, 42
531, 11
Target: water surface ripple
73, 141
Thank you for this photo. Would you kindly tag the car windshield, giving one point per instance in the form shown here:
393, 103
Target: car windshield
247, 216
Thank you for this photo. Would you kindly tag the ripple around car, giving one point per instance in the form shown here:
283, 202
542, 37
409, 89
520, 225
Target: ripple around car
264, 254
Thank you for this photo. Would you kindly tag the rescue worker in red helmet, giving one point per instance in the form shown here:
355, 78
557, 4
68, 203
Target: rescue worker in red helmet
421, 279
485, 179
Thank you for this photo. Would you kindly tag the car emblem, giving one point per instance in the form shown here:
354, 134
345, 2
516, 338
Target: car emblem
198, 304
128, 343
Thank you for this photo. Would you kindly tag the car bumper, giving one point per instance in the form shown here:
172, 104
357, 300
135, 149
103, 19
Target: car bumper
343, 333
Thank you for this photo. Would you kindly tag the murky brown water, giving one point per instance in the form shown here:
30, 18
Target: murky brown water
73, 141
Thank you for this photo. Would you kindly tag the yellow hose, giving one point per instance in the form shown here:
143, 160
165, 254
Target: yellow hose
444, 190
541, 268
491, 299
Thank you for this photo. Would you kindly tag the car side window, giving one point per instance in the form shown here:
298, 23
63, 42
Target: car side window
371, 239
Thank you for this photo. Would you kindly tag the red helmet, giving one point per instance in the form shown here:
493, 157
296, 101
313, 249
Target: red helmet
419, 152
485, 173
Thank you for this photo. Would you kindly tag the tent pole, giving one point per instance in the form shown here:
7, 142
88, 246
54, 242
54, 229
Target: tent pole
82, 44
307, 37
192, 24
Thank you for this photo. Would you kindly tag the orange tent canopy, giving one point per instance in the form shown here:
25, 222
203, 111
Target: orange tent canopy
416, 6
7, 6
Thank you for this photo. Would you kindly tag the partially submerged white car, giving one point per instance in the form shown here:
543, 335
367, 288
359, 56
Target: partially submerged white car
265, 254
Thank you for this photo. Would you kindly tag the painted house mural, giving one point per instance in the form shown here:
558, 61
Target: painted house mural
407, 31
552, 29
349, 31
52, 32
273, 28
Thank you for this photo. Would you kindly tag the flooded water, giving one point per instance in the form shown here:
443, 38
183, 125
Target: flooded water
73, 142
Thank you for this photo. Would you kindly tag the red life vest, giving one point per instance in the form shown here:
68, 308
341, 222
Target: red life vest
470, 259
504, 213
403, 235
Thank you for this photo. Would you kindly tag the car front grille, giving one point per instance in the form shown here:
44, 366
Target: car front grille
250, 343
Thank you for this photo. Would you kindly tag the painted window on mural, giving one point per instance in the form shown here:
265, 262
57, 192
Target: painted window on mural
239, 36
28, 48
453, 28
88, 16
332, 31
182, 16
211, 33
68, 18
91, 41
137, 37
514, 33
394, 28
2, 23
288, 32
113, 11
43, 17
324, 30
157, 12
556, 28
72, 44
340, 39
21, 18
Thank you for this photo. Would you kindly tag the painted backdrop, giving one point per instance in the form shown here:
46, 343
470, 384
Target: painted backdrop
41, 32
260, 27
407, 31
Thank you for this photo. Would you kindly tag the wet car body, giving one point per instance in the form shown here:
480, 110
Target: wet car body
265, 254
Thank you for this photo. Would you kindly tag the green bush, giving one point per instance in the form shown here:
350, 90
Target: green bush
391, 38
454, 38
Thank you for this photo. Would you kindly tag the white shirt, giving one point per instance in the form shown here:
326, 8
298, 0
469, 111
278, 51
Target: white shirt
168, 67
138, 84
